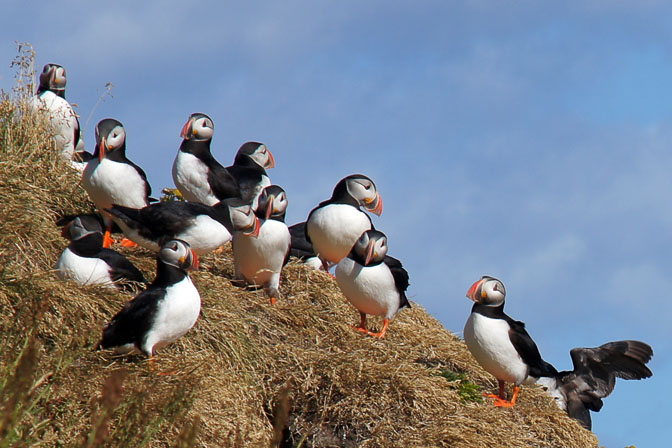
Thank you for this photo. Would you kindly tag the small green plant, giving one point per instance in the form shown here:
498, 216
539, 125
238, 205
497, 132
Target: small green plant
466, 390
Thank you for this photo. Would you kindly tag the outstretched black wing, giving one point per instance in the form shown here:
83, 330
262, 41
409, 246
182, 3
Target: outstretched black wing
595, 372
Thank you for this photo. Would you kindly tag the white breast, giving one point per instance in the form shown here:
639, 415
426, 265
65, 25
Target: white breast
109, 182
61, 117
177, 313
190, 175
205, 235
488, 340
335, 228
370, 289
83, 270
259, 260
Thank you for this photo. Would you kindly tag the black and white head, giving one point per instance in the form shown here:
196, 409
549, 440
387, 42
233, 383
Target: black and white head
82, 226
110, 136
272, 202
198, 128
487, 291
244, 219
371, 247
255, 152
178, 253
363, 191
52, 78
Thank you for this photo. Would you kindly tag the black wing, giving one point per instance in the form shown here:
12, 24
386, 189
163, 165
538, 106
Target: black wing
223, 184
595, 372
528, 350
121, 266
131, 324
400, 276
162, 219
601, 365
301, 247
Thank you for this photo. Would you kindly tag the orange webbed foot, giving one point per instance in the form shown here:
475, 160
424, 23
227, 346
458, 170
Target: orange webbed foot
128, 243
107, 240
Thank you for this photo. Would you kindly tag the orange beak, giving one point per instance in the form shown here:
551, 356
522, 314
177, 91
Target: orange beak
269, 208
185, 129
195, 264
376, 206
271, 160
256, 228
472, 291
369, 252
102, 149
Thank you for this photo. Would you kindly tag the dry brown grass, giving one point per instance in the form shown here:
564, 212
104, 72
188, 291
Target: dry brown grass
248, 374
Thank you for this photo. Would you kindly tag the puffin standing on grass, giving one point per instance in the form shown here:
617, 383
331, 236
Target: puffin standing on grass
205, 228
500, 344
110, 178
503, 348
259, 261
372, 281
162, 313
196, 173
200, 178
86, 261
50, 98
336, 224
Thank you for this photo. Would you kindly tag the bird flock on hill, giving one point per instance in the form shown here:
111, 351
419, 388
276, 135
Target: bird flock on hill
238, 203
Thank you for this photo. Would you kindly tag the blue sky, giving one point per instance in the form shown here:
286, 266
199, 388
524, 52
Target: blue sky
523, 140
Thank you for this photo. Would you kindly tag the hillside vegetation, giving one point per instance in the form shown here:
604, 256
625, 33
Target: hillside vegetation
248, 374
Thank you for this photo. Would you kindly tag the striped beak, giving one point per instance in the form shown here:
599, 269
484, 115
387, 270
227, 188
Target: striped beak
473, 291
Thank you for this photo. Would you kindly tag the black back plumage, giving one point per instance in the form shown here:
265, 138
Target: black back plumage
133, 322
164, 220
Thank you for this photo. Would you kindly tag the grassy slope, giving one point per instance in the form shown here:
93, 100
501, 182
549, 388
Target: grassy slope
246, 375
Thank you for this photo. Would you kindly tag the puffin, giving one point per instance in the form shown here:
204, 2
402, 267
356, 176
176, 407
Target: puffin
50, 100
201, 178
502, 346
196, 173
259, 261
336, 224
110, 178
374, 282
302, 249
581, 390
162, 313
86, 261
205, 228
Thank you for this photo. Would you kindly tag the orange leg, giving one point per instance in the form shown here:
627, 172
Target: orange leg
362, 324
107, 239
381, 333
500, 400
128, 243
273, 300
